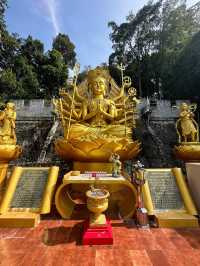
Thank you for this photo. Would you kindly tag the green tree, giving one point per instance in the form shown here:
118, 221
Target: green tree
177, 29
185, 83
25, 70
151, 42
3, 6
136, 38
54, 73
28, 84
63, 44
9, 43
8, 83
9, 48
33, 50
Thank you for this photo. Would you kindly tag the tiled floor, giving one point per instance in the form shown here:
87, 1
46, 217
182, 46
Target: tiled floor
131, 246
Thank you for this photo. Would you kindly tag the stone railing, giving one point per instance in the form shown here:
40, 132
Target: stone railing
42, 109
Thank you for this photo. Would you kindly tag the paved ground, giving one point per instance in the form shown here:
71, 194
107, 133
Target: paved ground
131, 246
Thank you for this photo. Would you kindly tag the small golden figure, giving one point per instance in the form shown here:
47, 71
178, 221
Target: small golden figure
187, 127
117, 165
7, 124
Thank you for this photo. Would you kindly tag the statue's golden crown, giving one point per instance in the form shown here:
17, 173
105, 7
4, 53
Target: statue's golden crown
98, 72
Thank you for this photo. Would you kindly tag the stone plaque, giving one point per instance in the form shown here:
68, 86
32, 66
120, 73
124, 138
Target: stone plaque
164, 190
30, 188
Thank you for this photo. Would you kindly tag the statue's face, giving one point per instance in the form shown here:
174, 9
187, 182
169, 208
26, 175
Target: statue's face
184, 106
10, 106
98, 86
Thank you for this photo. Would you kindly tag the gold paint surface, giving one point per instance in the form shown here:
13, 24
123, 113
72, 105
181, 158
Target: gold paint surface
188, 202
47, 194
7, 125
188, 152
97, 123
10, 190
19, 220
187, 128
122, 193
172, 218
97, 204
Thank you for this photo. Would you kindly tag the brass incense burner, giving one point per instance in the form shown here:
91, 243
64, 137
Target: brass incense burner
97, 202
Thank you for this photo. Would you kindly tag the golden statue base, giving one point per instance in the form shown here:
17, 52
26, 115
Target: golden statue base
188, 151
9, 152
98, 150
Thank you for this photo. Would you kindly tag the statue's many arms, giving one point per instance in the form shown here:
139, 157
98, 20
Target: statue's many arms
98, 110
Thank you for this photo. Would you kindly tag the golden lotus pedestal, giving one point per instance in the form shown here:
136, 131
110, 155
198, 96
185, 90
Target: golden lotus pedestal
98, 150
188, 151
97, 202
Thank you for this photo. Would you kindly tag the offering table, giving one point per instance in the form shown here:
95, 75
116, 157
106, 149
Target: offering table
73, 188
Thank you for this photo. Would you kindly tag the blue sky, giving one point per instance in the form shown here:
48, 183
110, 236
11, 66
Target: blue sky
85, 22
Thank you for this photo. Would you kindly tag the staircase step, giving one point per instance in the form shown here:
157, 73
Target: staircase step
19, 219
176, 219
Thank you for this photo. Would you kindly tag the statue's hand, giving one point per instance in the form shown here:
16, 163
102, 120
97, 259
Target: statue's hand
100, 108
191, 114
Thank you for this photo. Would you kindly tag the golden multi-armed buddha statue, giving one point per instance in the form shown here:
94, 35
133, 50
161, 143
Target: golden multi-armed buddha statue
97, 119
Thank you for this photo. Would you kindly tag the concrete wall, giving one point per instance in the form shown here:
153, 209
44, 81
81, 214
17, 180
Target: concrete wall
35, 119
42, 109
33, 109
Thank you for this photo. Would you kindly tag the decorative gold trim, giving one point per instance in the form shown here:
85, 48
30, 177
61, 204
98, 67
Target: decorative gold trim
3, 171
49, 190
46, 197
10, 189
92, 166
33, 210
187, 199
182, 186
147, 198
65, 204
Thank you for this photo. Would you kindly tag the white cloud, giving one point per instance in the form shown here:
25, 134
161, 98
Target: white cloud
52, 6
49, 10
